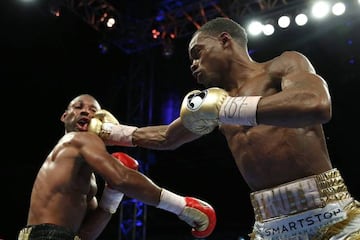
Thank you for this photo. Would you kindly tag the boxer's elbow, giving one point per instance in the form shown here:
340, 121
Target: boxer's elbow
314, 109
325, 114
322, 111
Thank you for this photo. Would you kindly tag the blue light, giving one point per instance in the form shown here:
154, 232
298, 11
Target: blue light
103, 48
170, 109
252, 51
161, 16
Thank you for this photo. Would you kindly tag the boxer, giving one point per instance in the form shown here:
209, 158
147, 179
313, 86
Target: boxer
63, 203
271, 114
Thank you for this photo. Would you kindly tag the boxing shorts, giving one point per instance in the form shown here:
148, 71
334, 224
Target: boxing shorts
46, 231
313, 208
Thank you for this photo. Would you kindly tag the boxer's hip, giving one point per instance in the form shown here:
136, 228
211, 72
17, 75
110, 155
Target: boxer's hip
314, 206
46, 231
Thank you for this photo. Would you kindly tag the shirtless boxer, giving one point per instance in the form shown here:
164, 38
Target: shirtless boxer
271, 114
63, 202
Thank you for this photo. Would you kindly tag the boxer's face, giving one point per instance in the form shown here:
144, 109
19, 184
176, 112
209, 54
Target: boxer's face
79, 112
206, 54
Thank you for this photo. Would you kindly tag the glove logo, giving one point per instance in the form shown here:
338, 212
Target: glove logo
195, 100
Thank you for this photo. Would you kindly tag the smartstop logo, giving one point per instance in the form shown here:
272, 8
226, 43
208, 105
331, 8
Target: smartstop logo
304, 222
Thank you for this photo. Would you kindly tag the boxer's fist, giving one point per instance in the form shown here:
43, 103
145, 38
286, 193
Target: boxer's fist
126, 160
200, 215
200, 109
102, 123
106, 126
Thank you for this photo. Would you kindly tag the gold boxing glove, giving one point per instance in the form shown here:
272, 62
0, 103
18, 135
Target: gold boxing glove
200, 109
101, 124
106, 126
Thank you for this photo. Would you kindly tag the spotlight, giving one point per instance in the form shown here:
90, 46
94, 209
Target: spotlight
301, 19
338, 9
155, 33
255, 28
110, 22
268, 29
320, 9
284, 21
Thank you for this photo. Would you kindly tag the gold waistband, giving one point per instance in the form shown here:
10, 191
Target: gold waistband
25, 233
300, 195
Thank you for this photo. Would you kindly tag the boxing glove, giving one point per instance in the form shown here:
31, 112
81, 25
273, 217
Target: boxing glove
202, 111
106, 126
111, 198
195, 212
200, 215
126, 160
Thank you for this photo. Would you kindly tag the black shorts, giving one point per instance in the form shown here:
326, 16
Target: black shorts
46, 232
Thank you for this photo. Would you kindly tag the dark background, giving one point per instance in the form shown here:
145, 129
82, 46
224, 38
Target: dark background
46, 61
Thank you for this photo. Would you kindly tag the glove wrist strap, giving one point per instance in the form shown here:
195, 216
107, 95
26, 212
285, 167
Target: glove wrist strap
120, 134
239, 110
110, 200
171, 202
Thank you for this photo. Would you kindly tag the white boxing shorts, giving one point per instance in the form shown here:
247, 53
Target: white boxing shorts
318, 207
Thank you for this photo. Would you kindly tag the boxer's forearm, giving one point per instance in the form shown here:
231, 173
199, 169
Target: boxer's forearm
163, 137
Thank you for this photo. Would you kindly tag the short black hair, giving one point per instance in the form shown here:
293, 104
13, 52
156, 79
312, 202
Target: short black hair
223, 24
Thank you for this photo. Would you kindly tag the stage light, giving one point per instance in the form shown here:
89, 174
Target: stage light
255, 28
320, 9
268, 29
107, 20
301, 19
110, 22
172, 35
155, 33
55, 11
338, 8
284, 21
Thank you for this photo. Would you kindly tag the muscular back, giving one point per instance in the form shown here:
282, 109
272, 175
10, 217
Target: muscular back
270, 154
64, 187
